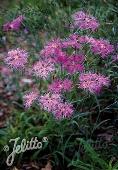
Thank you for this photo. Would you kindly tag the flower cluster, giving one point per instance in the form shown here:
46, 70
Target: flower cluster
59, 86
93, 82
53, 51
49, 101
101, 47
43, 69
17, 58
98, 46
30, 97
13, 25
74, 64
72, 41
64, 110
84, 21
54, 104
62, 57
51, 48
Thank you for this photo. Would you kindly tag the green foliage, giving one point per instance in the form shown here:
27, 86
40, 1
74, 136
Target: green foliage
93, 160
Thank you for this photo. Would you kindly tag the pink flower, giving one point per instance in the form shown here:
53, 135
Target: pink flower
13, 25
74, 64
59, 86
54, 104
51, 48
93, 82
72, 41
43, 68
84, 21
64, 110
49, 102
17, 58
61, 57
101, 47
30, 97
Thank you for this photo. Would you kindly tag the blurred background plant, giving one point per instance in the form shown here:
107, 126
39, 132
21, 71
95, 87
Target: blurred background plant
70, 141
